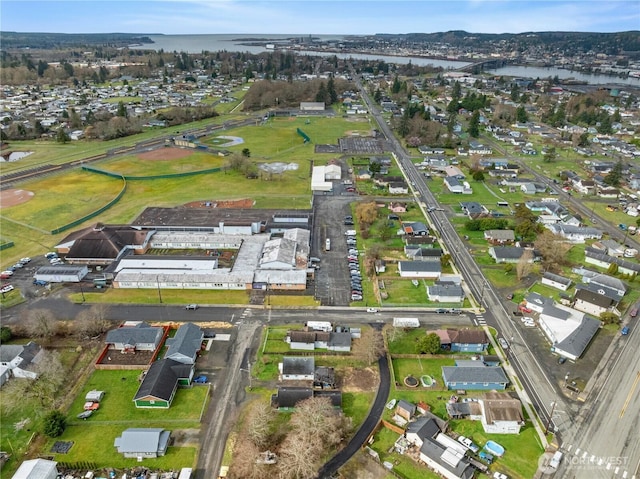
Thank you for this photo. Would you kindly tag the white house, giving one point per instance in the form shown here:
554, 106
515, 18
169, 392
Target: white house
332, 172
556, 281
501, 413
21, 359
569, 331
419, 269
297, 368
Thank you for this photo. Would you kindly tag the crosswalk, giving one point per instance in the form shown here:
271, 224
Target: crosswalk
480, 321
246, 314
580, 457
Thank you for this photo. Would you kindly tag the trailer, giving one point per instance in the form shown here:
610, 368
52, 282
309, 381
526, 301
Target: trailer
406, 323
320, 326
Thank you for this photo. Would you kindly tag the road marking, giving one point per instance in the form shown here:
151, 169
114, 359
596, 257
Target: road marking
577, 451
600, 461
630, 395
624, 475
616, 471
608, 466
568, 449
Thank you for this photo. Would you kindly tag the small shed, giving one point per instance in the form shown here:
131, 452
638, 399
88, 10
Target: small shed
61, 273
94, 396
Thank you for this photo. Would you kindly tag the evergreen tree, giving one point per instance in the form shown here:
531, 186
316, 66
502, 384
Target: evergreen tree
331, 90
521, 115
615, 175
474, 125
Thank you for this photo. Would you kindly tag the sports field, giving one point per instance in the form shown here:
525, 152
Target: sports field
59, 199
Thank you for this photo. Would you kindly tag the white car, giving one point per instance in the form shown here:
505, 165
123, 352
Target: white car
6, 289
529, 324
372, 310
503, 342
526, 319
25, 260
499, 475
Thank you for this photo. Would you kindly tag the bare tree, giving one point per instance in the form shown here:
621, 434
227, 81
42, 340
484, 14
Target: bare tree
244, 460
369, 346
523, 267
553, 248
300, 456
317, 416
44, 389
93, 321
259, 422
40, 324
366, 213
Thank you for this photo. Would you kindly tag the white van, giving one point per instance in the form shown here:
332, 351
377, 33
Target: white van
555, 460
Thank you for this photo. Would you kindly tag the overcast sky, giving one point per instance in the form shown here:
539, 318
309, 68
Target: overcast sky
318, 17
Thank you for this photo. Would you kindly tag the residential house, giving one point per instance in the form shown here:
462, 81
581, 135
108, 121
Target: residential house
528, 188
473, 209
454, 171
445, 292
380, 266
5, 374
20, 360
139, 337
415, 228
612, 248
508, 254
474, 375
419, 269
297, 368
501, 413
500, 237
592, 303
397, 207
398, 188
416, 253
593, 256
556, 281
604, 284
186, 344
454, 185
37, 469
311, 340
536, 302
575, 234
476, 148
143, 443
160, 383
463, 340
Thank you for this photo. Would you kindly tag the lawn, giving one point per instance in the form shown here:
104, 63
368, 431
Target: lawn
120, 387
402, 292
169, 296
418, 367
134, 166
94, 443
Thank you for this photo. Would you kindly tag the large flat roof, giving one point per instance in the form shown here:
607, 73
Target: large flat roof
212, 217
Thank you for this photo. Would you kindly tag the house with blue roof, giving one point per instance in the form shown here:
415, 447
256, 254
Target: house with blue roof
474, 375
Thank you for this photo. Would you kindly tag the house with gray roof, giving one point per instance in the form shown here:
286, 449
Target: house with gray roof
160, 383
287, 397
556, 281
507, 254
297, 368
474, 375
568, 330
279, 253
142, 337
21, 359
593, 303
473, 209
593, 256
574, 345
186, 344
417, 253
575, 234
419, 269
500, 237
415, 228
37, 469
445, 292
143, 443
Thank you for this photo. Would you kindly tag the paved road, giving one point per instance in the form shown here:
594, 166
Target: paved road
369, 424
603, 441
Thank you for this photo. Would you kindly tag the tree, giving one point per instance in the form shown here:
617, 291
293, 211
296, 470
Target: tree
523, 266
478, 175
331, 90
508, 268
608, 317
428, 344
122, 110
615, 175
40, 324
374, 168
550, 155
366, 213
5, 334
553, 248
369, 346
474, 124
54, 424
93, 321
521, 114
51, 375
246, 152
259, 422
61, 136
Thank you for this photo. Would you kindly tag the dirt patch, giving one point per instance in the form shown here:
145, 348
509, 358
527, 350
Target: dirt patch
244, 203
185, 437
165, 153
360, 380
13, 197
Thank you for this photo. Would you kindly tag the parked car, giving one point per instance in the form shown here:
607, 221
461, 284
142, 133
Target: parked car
372, 310
39, 282
499, 475
91, 406
486, 457
391, 404
6, 274
562, 360
624, 331
25, 260
442, 311
51, 255
503, 342
191, 307
202, 379
18, 265
6, 288
85, 414
634, 312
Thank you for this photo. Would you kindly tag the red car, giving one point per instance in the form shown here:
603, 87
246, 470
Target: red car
524, 309
634, 312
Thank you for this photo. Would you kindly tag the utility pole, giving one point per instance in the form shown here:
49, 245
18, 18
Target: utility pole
553, 409
159, 293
